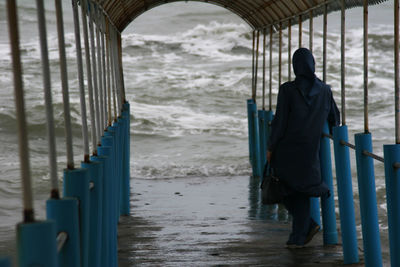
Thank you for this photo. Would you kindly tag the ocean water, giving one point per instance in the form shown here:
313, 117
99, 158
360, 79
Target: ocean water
187, 69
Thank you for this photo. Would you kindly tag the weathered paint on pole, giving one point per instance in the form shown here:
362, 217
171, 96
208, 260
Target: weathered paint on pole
28, 213
253, 91
342, 61
256, 67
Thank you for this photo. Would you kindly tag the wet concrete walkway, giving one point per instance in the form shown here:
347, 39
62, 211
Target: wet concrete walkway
211, 221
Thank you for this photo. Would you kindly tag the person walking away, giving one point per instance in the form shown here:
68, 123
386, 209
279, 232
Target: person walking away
303, 107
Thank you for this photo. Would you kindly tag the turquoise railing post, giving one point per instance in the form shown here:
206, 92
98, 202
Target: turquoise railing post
109, 248
345, 195
327, 203
76, 185
65, 212
368, 204
95, 169
392, 173
125, 185
36, 244
262, 126
5, 262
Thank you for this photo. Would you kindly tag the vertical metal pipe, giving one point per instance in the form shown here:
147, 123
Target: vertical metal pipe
396, 70
64, 84
103, 54
311, 31
280, 54
256, 68
117, 74
123, 97
94, 68
81, 81
253, 95
342, 61
20, 112
290, 50
325, 26
89, 76
100, 66
366, 127
270, 67
108, 73
114, 85
300, 31
48, 99
263, 84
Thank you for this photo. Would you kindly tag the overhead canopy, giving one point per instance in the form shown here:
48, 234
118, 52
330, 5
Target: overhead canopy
257, 13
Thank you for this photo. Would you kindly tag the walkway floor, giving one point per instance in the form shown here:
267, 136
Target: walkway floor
212, 221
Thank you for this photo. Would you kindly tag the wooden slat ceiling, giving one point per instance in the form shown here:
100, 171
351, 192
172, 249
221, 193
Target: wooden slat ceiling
257, 13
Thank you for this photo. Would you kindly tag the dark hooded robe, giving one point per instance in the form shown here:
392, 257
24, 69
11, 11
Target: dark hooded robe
303, 107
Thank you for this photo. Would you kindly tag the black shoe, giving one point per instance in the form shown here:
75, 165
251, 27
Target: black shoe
311, 234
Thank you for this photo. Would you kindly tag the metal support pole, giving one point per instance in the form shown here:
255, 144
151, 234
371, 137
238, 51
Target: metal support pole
368, 204
280, 55
89, 76
324, 41
253, 91
64, 84
311, 31
20, 112
48, 99
300, 31
342, 61
114, 84
103, 54
100, 67
263, 84
396, 71
270, 68
256, 68
81, 80
366, 127
290, 50
94, 68
108, 73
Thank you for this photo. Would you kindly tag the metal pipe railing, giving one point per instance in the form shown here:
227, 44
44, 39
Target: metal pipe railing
325, 37
300, 31
270, 68
290, 50
311, 31
48, 99
365, 18
263, 83
256, 63
280, 56
396, 72
342, 61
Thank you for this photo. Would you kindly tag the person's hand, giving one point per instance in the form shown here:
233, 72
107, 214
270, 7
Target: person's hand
269, 155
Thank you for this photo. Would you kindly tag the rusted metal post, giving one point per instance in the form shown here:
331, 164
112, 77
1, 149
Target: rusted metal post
325, 26
396, 71
256, 67
300, 31
311, 31
366, 126
280, 55
263, 84
342, 62
270, 67
253, 94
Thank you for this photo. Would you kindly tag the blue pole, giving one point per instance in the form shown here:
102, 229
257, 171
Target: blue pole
76, 184
95, 169
36, 244
262, 123
5, 262
120, 157
65, 212
328, 203
125, 188
368, 204
105, 203
250, 129
110, 256
255, 140
392, 155
345, 195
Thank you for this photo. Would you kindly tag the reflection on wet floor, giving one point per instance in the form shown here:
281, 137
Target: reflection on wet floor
210, 221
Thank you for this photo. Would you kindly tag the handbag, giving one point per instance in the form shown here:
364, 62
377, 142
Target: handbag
273, 190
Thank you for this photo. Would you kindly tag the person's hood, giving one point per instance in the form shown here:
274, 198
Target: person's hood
304, 69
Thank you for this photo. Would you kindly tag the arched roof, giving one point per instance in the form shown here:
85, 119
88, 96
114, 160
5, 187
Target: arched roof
257, 13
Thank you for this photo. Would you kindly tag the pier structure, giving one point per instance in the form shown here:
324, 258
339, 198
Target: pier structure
82, 222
